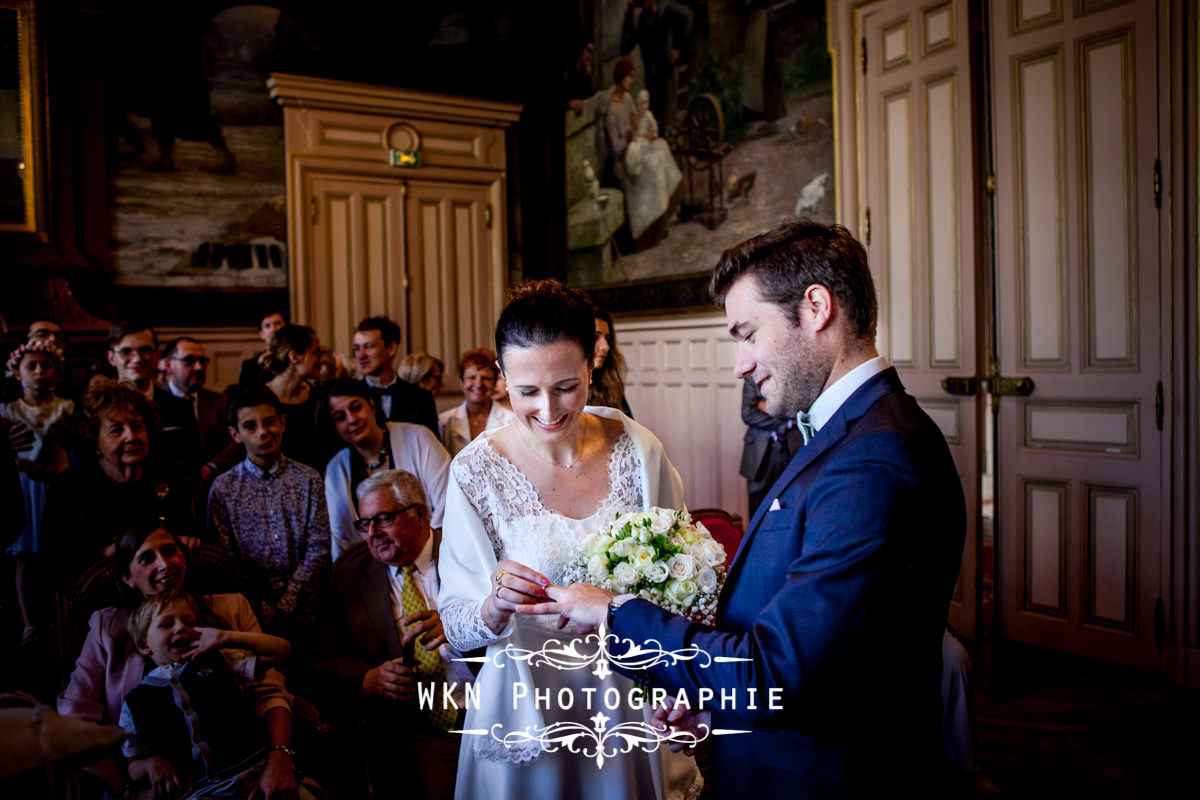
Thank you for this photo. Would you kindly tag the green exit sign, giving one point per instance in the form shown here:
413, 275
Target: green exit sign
406, 158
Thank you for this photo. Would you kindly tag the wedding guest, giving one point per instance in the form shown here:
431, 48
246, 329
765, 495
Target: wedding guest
151, 559
460, 425
51, 334
372, 447
269, 513
187, 372
423, 370
191, 721
251, 372
133, 353
122, 478
608, 368
36, 365
290, 365
376, 343
857, 554
521, 500
768, 447
385, 634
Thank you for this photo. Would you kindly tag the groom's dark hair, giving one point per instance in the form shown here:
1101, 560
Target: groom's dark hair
790, 258
544, 312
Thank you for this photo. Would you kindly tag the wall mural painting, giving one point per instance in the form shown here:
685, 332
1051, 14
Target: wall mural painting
690, 127
198, 195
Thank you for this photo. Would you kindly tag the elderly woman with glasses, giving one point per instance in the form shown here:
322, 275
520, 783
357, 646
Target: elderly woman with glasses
120, 478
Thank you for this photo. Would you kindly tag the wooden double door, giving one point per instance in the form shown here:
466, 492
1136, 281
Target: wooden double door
1007, 191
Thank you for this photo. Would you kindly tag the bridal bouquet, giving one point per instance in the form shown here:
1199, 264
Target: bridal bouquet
660, 555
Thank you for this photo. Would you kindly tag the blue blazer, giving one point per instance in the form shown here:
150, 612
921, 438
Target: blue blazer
838, 599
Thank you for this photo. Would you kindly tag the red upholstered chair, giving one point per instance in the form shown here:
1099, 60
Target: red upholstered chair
726, 528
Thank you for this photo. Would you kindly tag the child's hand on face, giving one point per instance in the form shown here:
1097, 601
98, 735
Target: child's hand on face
207, 640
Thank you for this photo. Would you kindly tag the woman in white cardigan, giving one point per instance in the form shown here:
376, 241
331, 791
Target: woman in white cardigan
374, 445
460, 425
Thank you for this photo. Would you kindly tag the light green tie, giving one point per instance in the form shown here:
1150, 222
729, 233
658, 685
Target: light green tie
806, 428
428, 666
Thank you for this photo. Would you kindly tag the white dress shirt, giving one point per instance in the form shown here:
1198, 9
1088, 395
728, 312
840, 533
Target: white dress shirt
830, 400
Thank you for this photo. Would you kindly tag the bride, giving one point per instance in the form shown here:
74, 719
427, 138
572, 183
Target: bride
520, 500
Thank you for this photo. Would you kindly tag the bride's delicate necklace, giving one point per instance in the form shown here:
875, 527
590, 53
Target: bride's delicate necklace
551, 461
383, 455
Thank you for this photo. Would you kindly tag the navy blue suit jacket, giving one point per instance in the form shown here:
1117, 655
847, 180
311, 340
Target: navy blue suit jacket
838, 598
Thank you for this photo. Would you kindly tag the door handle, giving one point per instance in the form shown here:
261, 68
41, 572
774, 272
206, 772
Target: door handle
1000, 386
961, 386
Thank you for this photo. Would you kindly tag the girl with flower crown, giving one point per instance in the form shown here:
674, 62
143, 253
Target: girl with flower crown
36, 364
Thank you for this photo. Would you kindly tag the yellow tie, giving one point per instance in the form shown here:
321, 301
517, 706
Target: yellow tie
428, 664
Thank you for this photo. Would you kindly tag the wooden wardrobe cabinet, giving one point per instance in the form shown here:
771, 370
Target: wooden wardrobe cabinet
424, 245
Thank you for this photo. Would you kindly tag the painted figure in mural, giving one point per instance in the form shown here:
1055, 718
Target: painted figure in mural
578, 82
661, 31
642, 162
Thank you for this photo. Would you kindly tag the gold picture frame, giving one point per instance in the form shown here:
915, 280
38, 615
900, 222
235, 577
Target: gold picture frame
21, 133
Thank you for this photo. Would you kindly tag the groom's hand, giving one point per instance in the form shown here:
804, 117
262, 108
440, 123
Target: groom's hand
681, 718
582, 604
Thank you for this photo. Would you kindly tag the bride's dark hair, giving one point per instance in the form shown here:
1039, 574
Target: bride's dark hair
543, 312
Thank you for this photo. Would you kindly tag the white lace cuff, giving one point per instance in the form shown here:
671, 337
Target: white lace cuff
465, 628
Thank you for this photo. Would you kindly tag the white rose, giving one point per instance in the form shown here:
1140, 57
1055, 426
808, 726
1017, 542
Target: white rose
682, 566
625, 574
623, 548
643, 556
656, 572
689, 535
643, 535
682, 593
706, 579
661, 520
597, 543
714, 553
597, 567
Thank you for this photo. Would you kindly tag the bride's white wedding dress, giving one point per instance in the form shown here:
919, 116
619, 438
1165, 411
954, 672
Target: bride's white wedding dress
494, 512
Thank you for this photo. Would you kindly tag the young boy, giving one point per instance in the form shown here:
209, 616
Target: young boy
190, 719
269, 512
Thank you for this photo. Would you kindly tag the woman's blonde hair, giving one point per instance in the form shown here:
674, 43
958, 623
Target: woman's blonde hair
416, 367
288, 339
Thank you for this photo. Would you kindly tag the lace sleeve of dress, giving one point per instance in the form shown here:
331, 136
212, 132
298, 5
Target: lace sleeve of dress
464, 626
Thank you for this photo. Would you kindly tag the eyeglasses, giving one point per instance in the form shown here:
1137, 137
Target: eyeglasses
192, 361
126, 353
42, 334
383, 519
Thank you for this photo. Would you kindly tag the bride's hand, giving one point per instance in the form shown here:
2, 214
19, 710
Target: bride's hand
582, 604
514, 587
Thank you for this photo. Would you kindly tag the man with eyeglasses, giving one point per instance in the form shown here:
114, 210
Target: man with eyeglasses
187, 371
381, 637
133, 352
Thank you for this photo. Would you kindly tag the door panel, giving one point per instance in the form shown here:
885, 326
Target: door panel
357, 256
455, 280
1079, 461
919, 192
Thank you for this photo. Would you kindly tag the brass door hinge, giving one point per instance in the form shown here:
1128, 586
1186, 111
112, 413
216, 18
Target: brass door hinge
867, 227
312, 210
487, 216
863, 54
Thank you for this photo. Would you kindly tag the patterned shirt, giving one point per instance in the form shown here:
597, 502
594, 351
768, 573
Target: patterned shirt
276, 521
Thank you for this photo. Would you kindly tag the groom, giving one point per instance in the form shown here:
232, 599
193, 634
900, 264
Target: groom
839, 592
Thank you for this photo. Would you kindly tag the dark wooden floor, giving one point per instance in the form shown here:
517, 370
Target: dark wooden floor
1054, 725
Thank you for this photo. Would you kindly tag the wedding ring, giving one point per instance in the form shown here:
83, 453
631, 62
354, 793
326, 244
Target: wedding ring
499, 586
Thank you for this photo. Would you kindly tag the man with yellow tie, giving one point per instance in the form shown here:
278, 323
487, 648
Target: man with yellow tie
388, 640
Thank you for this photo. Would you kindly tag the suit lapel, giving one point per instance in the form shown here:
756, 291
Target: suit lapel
377, 598
830, 434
